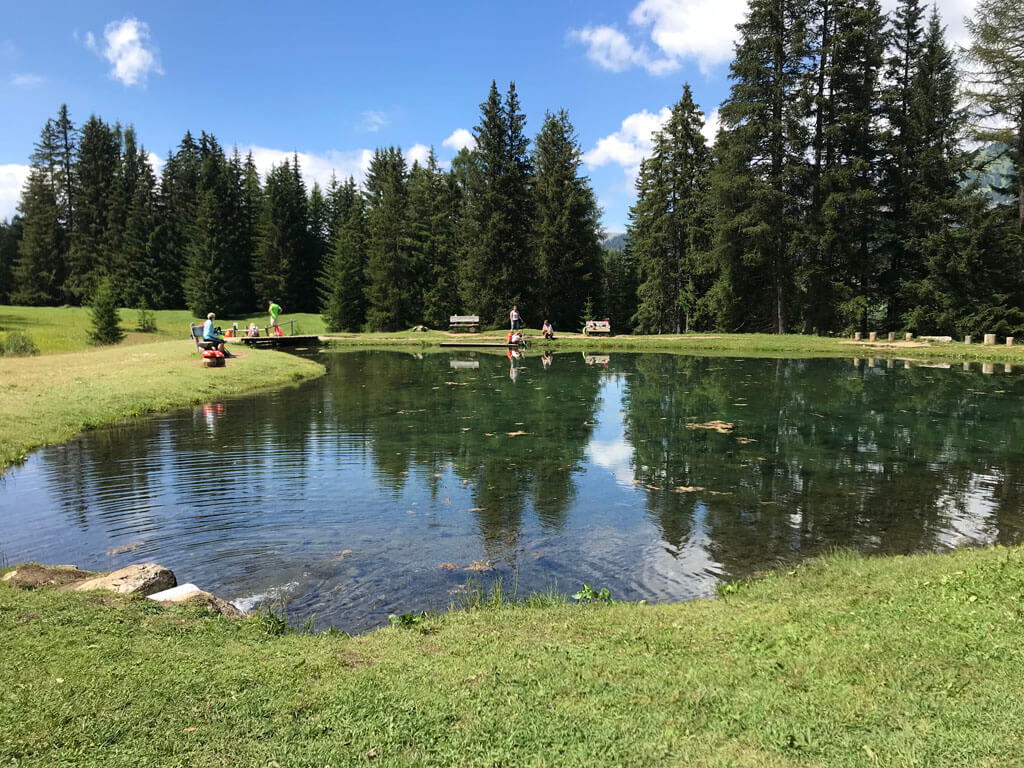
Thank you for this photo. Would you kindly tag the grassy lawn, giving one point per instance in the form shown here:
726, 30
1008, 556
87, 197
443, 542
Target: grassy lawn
50, 398
66, 329
845, 661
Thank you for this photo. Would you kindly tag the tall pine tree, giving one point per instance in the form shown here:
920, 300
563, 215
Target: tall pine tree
669, 230
389, 303
566, 237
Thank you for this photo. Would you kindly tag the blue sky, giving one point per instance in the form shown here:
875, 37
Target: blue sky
333, 81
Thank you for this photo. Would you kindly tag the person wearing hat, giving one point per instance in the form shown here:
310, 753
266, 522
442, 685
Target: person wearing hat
211, 338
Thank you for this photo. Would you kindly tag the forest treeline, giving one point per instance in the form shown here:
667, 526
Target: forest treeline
837, 195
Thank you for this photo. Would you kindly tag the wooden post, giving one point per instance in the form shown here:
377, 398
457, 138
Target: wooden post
968, 339
892, 336
1009, 341
908, 336
857, 336
990, 339
873, 336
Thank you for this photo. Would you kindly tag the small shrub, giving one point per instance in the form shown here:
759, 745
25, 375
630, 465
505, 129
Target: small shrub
146, 322
106, 328
18, 344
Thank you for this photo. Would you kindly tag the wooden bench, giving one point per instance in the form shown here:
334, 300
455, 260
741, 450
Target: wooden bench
468, 323
211, 357
597, 327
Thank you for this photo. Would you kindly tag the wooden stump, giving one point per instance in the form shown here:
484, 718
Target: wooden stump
1009, 341
990, 339
892, 336
857, 336
988, 368
873, 336
908, 336
968, 339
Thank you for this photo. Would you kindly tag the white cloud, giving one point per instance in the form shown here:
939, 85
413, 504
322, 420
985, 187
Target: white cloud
417, 153
459, 139
705, 31
12, 180
711, 124
692, 29
27, 80
156, 162
315, 167
628, 145
373, 121
129, 49
612, 50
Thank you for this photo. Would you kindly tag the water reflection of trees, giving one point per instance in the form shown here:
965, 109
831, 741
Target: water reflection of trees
421, 416
876, 459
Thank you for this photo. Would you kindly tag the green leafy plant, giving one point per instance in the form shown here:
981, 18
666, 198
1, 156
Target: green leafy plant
588, 594
407, 620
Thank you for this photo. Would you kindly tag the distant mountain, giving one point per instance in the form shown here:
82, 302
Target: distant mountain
993, 171
616, 241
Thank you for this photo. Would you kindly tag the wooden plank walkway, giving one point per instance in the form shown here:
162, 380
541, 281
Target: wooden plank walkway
274, 342
497, 345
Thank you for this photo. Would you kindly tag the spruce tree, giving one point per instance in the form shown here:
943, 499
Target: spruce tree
900, 261
566, 236
10, 237
38, 274
106, 328
342, 282
760, 178
620, 283
96, 168
933, 201
498, 264
176, 209
669, 230
141, 287
388, 253
851, 207
282, 262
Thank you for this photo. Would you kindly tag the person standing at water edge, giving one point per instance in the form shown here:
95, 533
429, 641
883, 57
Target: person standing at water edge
513, 316
275, 310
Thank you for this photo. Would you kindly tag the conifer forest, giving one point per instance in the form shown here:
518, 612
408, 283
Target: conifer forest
867, 174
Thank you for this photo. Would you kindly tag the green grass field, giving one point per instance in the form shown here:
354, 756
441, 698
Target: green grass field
841, 662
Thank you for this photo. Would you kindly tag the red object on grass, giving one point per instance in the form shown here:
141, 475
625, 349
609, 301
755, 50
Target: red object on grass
212, 353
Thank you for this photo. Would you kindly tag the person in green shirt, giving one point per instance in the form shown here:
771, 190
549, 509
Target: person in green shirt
275, 311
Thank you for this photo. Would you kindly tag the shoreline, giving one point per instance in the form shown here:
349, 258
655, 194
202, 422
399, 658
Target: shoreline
827, 664
50, 399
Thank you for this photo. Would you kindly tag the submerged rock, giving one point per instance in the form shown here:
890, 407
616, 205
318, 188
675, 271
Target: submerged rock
144, 579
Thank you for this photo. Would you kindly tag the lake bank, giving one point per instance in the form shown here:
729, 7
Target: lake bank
842, 661
51, 398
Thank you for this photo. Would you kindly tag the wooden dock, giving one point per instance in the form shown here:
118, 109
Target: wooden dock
276, 342
491, 344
